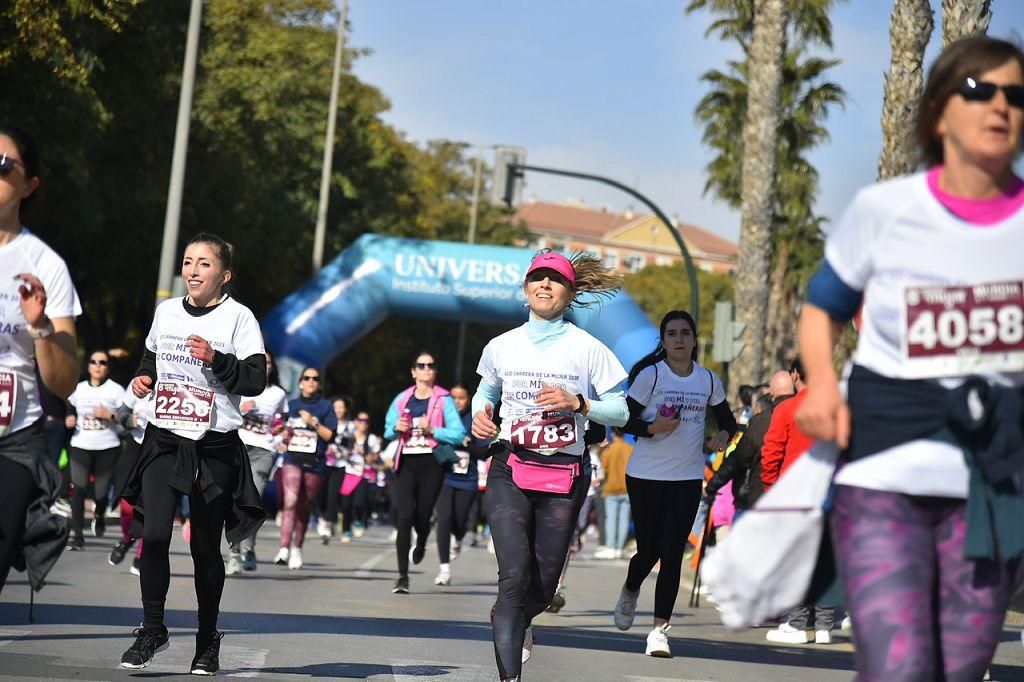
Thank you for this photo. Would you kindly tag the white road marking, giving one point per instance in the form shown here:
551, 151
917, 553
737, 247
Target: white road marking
364, 568
8, 636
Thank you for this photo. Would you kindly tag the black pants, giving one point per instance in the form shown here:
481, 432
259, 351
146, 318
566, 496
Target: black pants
329, 499
415, 492
452, 516
207, 519
101, 464
531, 532
663, 514
354, 506
17, 490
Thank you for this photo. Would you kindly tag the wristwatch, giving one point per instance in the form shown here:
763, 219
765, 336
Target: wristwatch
583, 403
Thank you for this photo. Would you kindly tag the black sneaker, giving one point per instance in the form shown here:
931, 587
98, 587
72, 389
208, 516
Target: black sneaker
249, 562
147, 643
99, 526
401, 585
557, 603
417, 554
76, 544
207, 659
118, 552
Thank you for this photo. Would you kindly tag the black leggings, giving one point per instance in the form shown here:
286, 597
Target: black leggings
531, 532
417, 485
207, 521
452, 516
354, 506
329, 499
17, 490
663, 514
99, 463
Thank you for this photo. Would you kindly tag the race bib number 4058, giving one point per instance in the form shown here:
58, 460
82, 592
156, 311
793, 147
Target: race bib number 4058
954, 330
546, 431
183, 406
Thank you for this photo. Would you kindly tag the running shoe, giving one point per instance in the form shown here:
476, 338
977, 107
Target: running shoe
207, 658
401, 585
787, 634
822, 637
444, 577
847, 623
76, 544
527, 643
358, 530
118, 552
657, 642
456, 548
147, 644
346, 536
557, 602
249, 562
295, 559
62, 507
323, 529
417, 554
136, 568
99, 526
625, 609
234, 564
282, 557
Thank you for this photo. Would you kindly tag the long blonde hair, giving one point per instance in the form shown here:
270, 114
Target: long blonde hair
593, 277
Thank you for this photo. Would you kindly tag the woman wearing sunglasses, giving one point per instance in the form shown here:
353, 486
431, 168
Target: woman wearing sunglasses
37, 327
95, 442
927, 507
311, 426
420, 417
551, 378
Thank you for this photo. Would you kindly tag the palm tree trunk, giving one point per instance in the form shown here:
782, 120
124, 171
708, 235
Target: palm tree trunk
964, 19
781, 321
758, 184
909, 30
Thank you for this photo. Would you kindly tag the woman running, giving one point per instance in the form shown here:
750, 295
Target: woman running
420, 417
551, 377
311, 426
359, 477
203, 353
259, 416
669, 396
329, 503
95, 445
37, 326
927, 505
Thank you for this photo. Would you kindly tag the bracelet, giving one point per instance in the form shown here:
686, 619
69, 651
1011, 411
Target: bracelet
41, 332
583, 403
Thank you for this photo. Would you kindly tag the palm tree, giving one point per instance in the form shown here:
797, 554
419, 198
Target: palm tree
964, 19
909, 30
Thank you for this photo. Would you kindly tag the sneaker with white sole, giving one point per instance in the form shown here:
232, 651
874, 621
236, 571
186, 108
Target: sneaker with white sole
527, 643
147, 644
822, 637
282, 557
625, 609
787, 634
323, 529
295, 559
233, 566
444, 576
847, 624
657, 642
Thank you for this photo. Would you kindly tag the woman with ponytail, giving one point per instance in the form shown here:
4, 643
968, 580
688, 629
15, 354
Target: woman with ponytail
551, 378
669, 394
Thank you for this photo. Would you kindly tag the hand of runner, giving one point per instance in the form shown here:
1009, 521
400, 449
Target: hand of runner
247, 406
33, 299
141, 386
556, 398
483, 426
200, 348
824, 415
100, 412
717, 442
70, 421
402, 425
663, 424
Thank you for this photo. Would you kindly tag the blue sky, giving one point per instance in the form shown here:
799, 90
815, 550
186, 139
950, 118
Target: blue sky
608, 87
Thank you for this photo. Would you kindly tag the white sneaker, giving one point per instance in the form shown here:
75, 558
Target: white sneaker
847, 624
787, 634
527, 643
822, 637
282, 557
234, 564
625, 609
323, 529
604, 553
657, 642
456, 549
444, 577
295, 559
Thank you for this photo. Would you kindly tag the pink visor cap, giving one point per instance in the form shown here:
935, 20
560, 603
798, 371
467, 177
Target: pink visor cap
556, 262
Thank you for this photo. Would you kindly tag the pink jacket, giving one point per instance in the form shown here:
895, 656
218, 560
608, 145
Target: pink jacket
435, 413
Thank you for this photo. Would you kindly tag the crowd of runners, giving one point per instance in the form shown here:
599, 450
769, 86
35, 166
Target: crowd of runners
924, 513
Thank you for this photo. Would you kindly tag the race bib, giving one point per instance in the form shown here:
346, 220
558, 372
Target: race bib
462, 466
303, 440
186, 407
953, 330
256, 423
544, 432
8, 398
417, 444
90, 423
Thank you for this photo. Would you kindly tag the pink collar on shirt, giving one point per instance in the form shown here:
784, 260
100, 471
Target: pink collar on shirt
979, 211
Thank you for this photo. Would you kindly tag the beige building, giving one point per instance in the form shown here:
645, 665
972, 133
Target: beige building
623, 240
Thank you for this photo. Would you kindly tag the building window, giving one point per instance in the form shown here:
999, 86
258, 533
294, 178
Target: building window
611, 259
634, 262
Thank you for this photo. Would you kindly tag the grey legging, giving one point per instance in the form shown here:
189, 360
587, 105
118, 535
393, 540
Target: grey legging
262, 461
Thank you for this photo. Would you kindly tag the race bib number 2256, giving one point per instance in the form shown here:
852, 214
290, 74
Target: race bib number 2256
183, 406
953, 330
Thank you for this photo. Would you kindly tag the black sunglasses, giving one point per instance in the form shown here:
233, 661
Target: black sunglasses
362, 419
7, 165
974, 90
309, 378
102, 363
425, 365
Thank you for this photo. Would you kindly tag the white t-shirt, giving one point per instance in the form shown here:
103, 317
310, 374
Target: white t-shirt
679, 454
255, 429
576, 361
356, 463
142, 410
192, 398
91, 433
27, 253
896, 236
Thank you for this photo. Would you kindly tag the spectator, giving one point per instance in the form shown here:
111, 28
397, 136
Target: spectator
616, 499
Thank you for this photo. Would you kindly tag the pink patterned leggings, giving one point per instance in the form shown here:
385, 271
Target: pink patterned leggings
920, 610
300, 488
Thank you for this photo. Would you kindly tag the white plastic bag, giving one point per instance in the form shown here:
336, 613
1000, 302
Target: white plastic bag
764, 566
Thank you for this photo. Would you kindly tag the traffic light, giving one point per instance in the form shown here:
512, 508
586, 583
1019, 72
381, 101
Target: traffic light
726, 344
507, 188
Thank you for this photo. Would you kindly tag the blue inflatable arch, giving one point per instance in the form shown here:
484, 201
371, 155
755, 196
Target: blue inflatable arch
380, 276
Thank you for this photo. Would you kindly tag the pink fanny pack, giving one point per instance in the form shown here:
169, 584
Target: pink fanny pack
349, 483
545, 478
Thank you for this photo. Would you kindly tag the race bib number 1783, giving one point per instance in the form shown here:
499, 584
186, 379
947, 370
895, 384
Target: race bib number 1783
953, 330
544, 431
